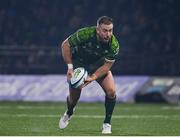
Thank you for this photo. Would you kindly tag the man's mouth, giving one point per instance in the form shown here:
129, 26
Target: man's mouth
106, 38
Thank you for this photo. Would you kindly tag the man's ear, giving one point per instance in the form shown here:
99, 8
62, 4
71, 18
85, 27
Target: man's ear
97, 29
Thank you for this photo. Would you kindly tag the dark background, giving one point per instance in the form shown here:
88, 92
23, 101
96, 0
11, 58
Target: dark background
148, 32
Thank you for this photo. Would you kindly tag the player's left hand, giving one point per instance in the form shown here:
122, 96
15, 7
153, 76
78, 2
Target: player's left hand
89, 79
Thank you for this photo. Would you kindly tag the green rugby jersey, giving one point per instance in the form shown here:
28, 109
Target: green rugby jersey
87, 50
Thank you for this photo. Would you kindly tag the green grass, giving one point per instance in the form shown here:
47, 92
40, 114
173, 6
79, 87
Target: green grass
33, 118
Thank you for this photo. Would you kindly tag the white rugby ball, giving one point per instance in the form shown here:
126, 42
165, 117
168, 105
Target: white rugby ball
80, 74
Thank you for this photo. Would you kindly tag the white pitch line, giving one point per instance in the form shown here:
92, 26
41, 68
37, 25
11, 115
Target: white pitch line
44, 107
171, 108
129, 116
92, 116
84, 107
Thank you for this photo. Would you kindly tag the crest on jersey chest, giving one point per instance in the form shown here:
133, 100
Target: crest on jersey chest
89, 44
105, 51
97, 46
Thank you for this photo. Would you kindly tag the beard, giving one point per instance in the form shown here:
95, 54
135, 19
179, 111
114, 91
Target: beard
105, 39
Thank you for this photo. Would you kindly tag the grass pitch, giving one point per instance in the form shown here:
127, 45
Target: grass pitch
36, 119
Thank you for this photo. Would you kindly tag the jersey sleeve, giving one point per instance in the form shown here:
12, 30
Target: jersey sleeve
79, 37
111, 56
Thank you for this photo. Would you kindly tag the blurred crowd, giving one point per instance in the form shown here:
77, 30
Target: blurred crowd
142, 26
148, 31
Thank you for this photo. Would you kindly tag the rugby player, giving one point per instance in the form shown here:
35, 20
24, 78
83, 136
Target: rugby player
95, 48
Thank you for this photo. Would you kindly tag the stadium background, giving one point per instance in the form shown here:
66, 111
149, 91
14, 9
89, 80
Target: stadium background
148, 32
147, 68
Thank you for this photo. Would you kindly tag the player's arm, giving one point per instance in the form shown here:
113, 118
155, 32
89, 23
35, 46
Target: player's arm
71, 42
109, 60
67, 56
66, 52
101, 71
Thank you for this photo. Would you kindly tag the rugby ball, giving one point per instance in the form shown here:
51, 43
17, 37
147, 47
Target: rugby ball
80, 74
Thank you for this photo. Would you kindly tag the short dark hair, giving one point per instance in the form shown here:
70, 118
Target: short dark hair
104, 20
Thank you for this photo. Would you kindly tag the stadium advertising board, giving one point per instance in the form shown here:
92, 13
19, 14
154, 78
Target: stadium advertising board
55, 88
160, 89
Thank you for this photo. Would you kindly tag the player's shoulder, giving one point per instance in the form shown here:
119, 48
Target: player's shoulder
82, 35
85, 34
87, 31
114, 44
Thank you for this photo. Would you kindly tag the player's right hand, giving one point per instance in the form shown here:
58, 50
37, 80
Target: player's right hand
69, 74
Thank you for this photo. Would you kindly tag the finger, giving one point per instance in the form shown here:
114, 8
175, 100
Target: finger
68, 79
69, 76
88, 80
85, 84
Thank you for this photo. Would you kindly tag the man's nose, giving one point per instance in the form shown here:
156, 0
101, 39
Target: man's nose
108, 33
